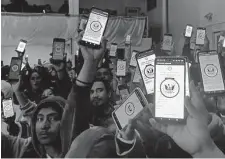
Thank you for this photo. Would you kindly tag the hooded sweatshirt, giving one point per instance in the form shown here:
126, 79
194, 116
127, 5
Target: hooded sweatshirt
14, 147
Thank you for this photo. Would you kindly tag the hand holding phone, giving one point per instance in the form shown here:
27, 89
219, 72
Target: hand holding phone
8, 110
169, 89
130, 108
21, 47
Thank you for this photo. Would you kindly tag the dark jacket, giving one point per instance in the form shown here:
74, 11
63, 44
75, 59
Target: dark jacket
13, 147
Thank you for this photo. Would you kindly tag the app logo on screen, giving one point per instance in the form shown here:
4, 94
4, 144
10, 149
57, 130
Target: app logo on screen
201, 35
15, 68
211, 70
96, 26
169, 88
149, 71
129, 109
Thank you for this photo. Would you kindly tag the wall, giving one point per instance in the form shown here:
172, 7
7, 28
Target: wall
55, 4
183, 12
155, 15
118, 5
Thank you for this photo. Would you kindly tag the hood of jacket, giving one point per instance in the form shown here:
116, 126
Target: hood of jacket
59, 102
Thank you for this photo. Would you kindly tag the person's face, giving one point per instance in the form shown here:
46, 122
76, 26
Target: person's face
47, 126
35, 81
98, 94
47, 93
103, 73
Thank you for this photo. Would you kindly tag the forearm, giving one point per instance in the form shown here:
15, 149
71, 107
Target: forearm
87, 73
21, 97
209, 151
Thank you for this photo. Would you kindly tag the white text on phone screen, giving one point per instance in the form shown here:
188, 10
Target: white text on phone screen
124, 115
169, 107
94, 34
211, 83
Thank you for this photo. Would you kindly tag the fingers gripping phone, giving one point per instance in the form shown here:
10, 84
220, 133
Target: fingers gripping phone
21, 47
169, 89
145, 61
95, 28
130, 108
58, 49
200, 38
8, 110
15, 68
188, 31
212, 76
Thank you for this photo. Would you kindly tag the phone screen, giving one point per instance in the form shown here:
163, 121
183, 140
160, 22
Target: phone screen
188, 31
211, 72
224, 43
200, 39
187, 81
15, 68
21, 46
8, 108
121, 68
133, 61
95, 27
129, 109
169, 88
167, 42
58, 49
146, 66
113, 49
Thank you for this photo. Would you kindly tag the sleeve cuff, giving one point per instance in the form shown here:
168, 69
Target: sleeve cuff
129, 144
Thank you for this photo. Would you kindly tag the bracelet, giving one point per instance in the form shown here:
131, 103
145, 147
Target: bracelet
86, 83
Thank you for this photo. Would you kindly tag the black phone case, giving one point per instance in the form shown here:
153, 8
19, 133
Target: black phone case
15, 68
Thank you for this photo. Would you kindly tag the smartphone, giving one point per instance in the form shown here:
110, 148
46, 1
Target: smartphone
113, 49
95, 28
188, 31
212, 76
58, 49
169, 89
21, 47
8, 110
145, 61
167, 42
200, 38
128, 40
137, 76
39, 62
15, 67
124, 91
187, 80
130, 108
133, 61
121, 68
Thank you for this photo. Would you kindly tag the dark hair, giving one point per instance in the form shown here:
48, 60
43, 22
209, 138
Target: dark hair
105, 82
55, 106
